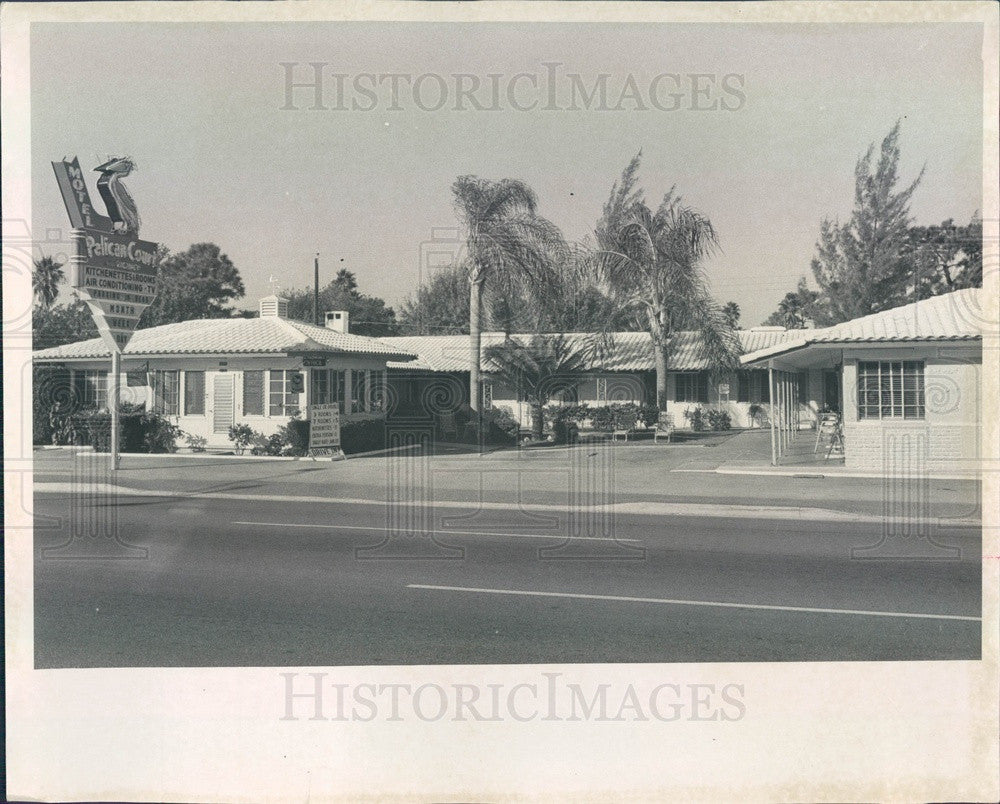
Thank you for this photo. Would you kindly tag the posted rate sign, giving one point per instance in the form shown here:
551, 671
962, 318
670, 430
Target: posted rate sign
324, 429
113, 270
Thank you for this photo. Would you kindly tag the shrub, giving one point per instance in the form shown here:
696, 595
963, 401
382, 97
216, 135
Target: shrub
758, 414
242, 435
362, 436
603, 419
269, 445
649, 415
296, 436
139, 430
719, 420
501, 426
194, 442
697, 418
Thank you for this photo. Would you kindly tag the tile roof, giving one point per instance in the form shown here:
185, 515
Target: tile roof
630, 351
948, 317
269, 335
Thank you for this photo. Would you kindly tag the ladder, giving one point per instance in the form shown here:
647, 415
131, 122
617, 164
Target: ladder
830, 435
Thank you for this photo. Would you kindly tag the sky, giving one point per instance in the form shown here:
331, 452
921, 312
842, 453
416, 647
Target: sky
199, 108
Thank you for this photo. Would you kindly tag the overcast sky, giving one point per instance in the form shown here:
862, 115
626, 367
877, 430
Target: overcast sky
199, 109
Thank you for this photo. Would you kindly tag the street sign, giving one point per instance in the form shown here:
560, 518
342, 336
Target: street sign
113, 271
324, 430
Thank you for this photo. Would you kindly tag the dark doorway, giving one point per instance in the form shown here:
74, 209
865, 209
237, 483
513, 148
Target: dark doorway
832, 390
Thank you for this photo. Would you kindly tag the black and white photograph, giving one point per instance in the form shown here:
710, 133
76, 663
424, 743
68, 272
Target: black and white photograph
568, 387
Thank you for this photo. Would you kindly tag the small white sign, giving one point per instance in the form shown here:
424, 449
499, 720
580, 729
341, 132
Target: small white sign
724, 389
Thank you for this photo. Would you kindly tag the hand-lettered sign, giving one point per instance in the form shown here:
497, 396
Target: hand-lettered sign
113, 270
324, 429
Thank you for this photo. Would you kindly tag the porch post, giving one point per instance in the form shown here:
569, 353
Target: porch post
770, 396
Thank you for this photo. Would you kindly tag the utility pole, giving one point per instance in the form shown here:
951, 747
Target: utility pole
316, 290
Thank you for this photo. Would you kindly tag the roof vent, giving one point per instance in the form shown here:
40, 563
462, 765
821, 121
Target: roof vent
338, 320
273, 307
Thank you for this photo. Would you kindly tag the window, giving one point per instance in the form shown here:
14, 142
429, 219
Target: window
194, 393
282, 400
253, 393
327, 387
692, 387
358, 390
91, 388
743, 386
891, 389
166, 386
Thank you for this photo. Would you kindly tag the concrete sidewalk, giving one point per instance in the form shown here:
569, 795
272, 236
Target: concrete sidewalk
606, 474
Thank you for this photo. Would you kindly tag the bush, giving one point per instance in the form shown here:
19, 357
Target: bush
275, 444
362, 436
139, 430
296, 436
697, 418
242, 436
649, 415
603, 419
719, 420
501, 426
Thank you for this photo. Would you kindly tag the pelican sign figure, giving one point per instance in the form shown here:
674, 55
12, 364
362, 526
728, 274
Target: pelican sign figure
121, 208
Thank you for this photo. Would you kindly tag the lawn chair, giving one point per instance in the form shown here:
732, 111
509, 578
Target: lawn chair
826, 429
447, 427
664, 428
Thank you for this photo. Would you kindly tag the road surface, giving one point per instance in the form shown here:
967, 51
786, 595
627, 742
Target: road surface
213, 582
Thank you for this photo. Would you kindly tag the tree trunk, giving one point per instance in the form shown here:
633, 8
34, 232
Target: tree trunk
660, 361
537, 421
475, 342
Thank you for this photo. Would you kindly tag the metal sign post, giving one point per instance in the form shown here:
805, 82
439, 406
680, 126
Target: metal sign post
113, 271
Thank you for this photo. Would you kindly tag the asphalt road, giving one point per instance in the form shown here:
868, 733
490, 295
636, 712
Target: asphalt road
209, 582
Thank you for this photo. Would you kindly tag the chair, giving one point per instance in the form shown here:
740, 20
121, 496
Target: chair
624, 426
664, 428
829, 424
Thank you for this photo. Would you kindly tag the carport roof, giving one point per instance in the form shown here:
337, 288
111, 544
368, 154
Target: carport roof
954, 316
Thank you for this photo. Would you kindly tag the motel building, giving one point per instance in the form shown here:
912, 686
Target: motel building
206, 375
900, 388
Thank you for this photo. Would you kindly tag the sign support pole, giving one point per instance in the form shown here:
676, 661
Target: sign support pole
116, 378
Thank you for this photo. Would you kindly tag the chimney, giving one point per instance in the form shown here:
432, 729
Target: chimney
338, 320
273, 307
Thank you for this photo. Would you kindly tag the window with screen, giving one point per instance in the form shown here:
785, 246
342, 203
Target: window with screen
328, 387
359, 390
253, 393
376, 391
194, 393
891, 389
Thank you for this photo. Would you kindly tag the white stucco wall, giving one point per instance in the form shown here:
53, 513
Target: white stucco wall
945, 441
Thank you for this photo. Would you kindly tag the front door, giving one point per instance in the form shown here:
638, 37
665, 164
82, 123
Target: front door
223, 407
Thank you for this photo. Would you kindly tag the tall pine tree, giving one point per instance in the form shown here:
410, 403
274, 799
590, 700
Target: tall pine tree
866, 265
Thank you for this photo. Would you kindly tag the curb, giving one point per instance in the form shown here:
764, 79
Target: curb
820, 474
635, 508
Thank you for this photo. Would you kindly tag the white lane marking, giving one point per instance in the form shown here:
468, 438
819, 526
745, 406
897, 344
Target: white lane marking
711, 603
551, 536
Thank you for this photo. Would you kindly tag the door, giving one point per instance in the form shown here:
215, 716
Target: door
223, 403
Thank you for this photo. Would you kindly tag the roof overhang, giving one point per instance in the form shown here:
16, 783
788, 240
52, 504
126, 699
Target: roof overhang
808, 353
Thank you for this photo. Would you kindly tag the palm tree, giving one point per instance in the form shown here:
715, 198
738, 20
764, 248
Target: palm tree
45, 280
508, 246
651, 262
544, 366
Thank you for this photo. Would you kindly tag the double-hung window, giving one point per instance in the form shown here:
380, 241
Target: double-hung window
166, 388
691, 387
891, 389
91, 387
